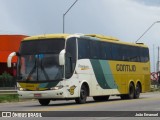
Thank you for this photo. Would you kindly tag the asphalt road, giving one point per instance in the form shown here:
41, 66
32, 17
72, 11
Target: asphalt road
147, 102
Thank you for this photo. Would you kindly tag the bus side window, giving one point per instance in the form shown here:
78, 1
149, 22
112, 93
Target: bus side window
106, 51
116, 52
95, 50
83, 48
144, 54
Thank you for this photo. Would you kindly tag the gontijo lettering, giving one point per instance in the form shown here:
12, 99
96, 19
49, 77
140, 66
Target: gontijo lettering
83, 67
125, 68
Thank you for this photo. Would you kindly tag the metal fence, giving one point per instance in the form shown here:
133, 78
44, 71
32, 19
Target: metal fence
8, 92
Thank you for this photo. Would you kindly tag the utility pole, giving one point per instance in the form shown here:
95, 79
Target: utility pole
66, 13
154, 68
146, 31
158, 61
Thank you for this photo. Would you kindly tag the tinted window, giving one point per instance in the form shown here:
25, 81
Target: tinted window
93, 49
144, 53
125, 53
116, 52
133, 53
42, 46
83, 48
106, 51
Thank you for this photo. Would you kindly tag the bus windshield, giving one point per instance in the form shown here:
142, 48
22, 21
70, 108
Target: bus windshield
39, 60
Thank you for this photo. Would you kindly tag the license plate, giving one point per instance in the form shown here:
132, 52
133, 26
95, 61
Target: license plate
37, 95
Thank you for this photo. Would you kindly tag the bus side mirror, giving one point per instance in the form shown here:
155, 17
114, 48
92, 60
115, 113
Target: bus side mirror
62, 57
9, 60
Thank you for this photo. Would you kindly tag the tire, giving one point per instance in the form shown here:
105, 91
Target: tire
124, 97
137, 91
83, 95
131, 93
44, 102
101, 98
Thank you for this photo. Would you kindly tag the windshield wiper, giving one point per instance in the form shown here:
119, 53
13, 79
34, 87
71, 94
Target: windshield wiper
45, 73
36, 66
33, 70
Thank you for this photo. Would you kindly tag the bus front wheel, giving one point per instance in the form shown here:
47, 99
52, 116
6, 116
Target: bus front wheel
44, 102
83, 95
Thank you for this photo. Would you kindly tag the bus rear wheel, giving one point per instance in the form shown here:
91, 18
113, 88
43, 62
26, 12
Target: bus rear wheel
101, 98
131, 93
83, 95
44, 102
137, 91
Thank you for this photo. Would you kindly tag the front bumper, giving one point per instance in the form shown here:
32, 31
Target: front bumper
48, 94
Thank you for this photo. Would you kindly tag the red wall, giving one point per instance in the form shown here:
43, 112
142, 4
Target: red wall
8, 44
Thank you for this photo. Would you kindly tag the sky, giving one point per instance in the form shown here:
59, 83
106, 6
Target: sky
124, 19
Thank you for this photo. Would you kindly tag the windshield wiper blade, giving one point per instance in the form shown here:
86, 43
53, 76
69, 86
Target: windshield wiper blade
32, 71
45, 73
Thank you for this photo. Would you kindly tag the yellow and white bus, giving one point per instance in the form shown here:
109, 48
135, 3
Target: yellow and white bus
63, 66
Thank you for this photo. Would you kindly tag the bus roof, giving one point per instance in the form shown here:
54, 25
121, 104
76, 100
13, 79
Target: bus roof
97, 36
103, 37
44, 36
115, 40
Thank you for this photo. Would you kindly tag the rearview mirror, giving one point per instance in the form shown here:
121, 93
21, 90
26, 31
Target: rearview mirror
9, 60
62, 57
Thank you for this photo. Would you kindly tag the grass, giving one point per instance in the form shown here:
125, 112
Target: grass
9, 98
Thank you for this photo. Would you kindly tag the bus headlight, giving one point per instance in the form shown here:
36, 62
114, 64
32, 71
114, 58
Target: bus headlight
57, 87
21, 89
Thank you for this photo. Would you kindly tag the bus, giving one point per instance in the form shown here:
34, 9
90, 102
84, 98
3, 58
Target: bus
77, 66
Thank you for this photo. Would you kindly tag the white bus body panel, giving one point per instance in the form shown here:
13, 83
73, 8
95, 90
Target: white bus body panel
83, 73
